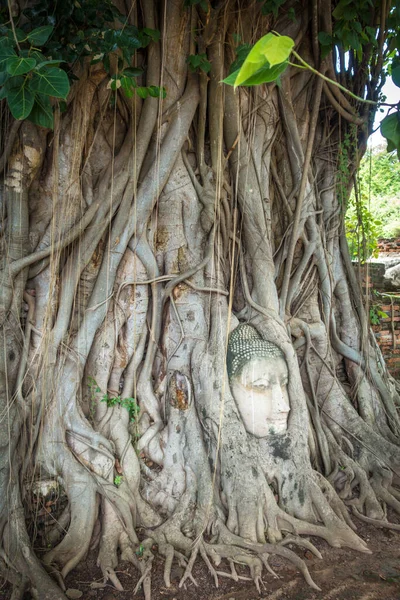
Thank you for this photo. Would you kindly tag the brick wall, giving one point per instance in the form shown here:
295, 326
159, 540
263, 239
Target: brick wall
387, 334
388, 246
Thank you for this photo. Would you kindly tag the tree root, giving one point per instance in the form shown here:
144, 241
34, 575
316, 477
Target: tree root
19, 582
227, 545
302, 542
144, 565
377, 522
230, 539
82, 501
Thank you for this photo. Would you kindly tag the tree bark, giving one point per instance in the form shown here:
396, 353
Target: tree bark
132, 245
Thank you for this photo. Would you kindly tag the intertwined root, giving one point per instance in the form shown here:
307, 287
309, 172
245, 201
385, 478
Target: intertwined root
173, 544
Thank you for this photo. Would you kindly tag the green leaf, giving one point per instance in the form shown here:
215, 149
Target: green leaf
38, 56
199, 61
46, 63
142, 92
242, 52
325, 39
132, 72
396, 76
20, 100
19, 35
154, 34
51, 82
126, 84
271, 6
4, 41
264, 75
268, 51
230, 80
390, 129
156, 92
19, 66
42, 112
40, 35
3, 77
6, 52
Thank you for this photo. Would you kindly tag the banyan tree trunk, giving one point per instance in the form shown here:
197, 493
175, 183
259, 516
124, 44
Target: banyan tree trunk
135, 238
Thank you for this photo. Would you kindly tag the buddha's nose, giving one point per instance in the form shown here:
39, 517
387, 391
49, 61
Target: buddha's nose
280, 401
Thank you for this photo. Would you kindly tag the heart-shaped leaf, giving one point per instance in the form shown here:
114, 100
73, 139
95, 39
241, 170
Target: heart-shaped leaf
265, 74
17, 65
20, 100
6, 52
396, 76
42, 112
40, 35
269, 51
51, 82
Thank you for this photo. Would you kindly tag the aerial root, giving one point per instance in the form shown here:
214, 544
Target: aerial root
302, 542
173, 543
145, 579
377, 522
213, 572
233, 574
110, 575
383, 494
169, 552
144, 565
19, 582
334, 500
264, 560
55, 573
233, 541
188, 572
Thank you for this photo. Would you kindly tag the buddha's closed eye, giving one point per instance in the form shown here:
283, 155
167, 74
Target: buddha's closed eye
260, 387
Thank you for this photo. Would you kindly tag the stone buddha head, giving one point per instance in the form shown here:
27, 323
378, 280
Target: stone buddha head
258, 377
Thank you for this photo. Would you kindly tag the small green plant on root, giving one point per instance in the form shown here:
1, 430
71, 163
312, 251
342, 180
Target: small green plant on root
129, 403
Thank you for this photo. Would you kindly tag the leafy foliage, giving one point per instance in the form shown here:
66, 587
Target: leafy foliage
271, 6
377, 211
375, 315
380, 172
66, 32
351, 28
362, 232
27, 78
199, 61
352, 33
390, 129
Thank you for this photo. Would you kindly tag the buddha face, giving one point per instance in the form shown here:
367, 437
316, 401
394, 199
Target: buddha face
260, 392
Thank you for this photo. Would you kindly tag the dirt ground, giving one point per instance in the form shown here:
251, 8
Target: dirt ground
341, 575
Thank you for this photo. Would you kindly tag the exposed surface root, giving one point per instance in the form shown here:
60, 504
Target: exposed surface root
377, 522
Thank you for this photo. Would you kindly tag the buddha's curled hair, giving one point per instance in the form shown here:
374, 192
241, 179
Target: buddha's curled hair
245, 343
